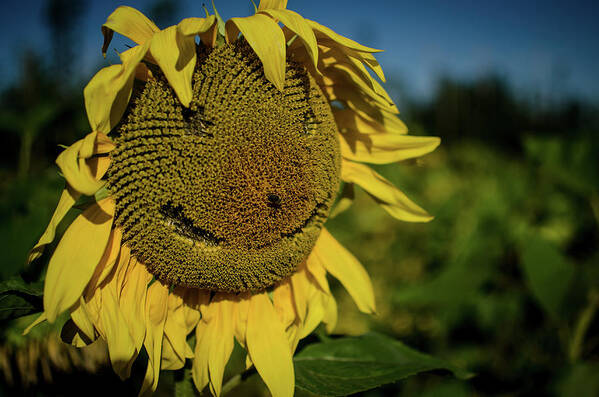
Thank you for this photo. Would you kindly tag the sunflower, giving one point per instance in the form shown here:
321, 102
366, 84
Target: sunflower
211, 169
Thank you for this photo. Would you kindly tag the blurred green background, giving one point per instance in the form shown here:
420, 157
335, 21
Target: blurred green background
504, 281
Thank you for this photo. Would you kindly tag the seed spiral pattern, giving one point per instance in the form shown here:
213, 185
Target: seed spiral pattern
231, 193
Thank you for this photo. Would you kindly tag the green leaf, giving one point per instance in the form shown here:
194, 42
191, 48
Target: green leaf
548, 274
18, 298
184, 386
353, 364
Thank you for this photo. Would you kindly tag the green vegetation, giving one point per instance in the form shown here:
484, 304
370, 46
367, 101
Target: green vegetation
502, 288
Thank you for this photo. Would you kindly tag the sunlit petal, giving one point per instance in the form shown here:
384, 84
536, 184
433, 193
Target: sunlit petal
388, 196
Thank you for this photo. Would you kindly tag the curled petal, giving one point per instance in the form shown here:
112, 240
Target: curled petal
82, 321
384, 148
267, 40
175, 53
345, 267
66, 202
76, 257
108, 92
175, 331
241, 317
130, 23
318, 271
132, 292
214, 343
284, 303
296, 23
205, 27
349, 119
121, 348
41, 318
357, 75
75, 168
324, 33
388, 196
301, 288
106, 264
156, 309
272, 4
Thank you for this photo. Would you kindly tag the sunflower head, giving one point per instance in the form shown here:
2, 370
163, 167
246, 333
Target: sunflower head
230, 193
213, 165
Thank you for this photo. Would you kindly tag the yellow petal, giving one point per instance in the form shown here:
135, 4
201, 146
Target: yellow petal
156, 307
273, 4
318, 271
176, 56
67, 199
199, 369
350, 120
108, 92
315, 313
174, 347
130, 23
355, 57
222, 346
296, 23
205, 27
170, 359
242, 307
369, 60
346, 199
104, 267
73, 166
324, 33
133, 300
76, 257
268, 347
338, 65
299, 286
359, 76
123, 263
388, 196
192, 298
41, 318
330, 312
384, 148
92, 308
356, 65
268, 41
338, 88
214, 342
121, 348
345, 267
82, 321
284, 303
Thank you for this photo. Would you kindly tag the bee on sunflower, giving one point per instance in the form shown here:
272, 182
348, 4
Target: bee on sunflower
213, 165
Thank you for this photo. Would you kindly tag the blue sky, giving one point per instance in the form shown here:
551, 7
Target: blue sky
547, 47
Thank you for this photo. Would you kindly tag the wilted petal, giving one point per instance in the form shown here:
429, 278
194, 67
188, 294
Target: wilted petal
268, 347
268, 41
296, 23
130, 23
347, 269
76, 257
175, 53
388, 196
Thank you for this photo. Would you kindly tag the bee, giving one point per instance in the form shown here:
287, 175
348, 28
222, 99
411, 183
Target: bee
274, 201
